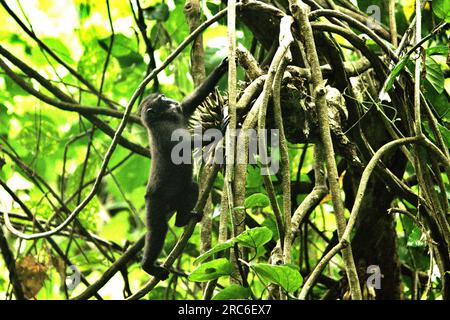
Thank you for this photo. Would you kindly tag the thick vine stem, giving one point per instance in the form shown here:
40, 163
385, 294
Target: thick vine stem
318, 270
392, 23
193, 13
284, 152
299, 10
319, 191
249, 63
285, 41
417, 73
250, 92
237, 217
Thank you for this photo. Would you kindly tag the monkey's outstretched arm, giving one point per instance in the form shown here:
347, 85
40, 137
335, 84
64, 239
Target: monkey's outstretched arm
192, 101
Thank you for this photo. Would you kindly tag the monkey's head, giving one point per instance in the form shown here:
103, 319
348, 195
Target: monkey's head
157, 107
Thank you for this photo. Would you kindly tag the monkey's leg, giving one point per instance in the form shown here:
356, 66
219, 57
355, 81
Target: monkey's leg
157, 213
185, 210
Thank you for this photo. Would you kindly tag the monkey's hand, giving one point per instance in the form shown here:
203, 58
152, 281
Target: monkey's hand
183, 219
158, 272
197, 216
223, 66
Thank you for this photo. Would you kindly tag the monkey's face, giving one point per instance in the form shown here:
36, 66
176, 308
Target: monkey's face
157, 107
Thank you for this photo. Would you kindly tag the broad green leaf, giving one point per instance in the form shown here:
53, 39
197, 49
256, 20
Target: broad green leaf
257, 200
4, 119
395, 72
232, 292
445, 134
211, 270
435, 75
124, 50
159, 36
441, 9
443, 130
286, 276
59, 48
158, 12
13, 88
438, 101
254, 238
439, 49
415, 238
217, 248
270, 223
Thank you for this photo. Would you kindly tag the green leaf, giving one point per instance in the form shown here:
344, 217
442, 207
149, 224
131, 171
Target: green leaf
441, 9
124, 49
441, 49
13, 88
84, 11
445, 134
212, 270
395, 72
434, 74
438, 101
415, 238
254, 238
232, 292
159, 36
217, 248
59, 47
159, 12
257, 200
4, 120
286, 276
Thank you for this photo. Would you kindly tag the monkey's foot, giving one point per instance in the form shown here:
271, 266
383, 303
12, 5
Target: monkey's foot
158, 272
183, 219
197, 216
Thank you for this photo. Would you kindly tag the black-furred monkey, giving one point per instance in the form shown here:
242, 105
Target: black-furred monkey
170, 187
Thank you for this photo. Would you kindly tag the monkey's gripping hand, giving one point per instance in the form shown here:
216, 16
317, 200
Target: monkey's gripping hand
183, 219
158, 272
223, 66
